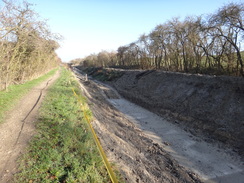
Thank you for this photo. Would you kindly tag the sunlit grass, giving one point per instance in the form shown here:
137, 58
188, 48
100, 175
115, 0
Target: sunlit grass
63, 150
9, 98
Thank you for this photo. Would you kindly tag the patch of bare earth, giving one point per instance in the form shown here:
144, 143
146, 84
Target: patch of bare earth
138, 158
152, 148
19, 127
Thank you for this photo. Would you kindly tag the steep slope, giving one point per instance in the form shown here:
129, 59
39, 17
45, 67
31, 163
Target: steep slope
208, 105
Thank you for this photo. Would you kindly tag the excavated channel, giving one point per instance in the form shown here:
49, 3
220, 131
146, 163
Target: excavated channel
210, 162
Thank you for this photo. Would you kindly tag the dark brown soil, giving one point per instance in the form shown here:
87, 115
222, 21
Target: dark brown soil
208, 107
211, 106
137, 157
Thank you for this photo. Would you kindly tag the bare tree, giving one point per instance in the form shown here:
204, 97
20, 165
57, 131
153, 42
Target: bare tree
28, 49
228, 24
204, 44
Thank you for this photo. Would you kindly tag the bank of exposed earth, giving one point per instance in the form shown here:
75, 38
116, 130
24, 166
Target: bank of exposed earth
207, 106
184, 100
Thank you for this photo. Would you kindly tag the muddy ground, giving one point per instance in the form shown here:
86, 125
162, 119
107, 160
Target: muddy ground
208, 107
137, 157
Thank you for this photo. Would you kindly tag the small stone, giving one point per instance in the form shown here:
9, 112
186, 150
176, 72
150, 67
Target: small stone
166, 143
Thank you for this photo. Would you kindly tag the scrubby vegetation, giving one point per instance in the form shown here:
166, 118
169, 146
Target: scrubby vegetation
27, 47
9, 98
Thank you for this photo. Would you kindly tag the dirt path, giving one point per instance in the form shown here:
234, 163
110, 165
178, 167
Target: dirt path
18, 129
130, 133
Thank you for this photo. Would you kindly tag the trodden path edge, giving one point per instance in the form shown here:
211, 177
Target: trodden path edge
18, 128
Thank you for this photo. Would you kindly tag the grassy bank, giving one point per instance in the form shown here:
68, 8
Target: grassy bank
9, 98
63, 149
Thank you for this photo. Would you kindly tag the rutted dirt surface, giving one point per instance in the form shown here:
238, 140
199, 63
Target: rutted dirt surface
18, 129
139, 158
210, 106
150, 148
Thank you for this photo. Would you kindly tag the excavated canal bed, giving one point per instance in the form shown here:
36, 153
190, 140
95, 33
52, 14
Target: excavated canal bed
147, 147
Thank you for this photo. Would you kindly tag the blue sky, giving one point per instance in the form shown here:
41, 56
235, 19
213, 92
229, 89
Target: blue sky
90, 26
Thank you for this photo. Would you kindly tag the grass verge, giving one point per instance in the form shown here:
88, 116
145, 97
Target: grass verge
63, 149
9, 98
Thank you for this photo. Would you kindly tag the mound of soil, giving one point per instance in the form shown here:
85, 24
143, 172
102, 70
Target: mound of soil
212, 106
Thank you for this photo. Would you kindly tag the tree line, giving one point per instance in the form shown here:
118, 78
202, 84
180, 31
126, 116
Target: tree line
27, 47
209, 44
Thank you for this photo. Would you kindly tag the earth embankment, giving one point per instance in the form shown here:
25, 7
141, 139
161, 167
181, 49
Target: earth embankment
210, 106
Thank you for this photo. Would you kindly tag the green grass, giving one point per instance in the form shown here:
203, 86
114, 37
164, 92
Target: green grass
63, 150
9, 98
